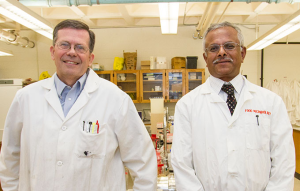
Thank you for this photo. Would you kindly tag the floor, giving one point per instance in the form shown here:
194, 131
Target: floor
297, 185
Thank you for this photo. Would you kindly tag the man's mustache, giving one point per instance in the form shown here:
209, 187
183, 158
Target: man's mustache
222, 59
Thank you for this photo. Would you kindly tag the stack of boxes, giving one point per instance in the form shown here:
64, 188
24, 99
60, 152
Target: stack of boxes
130, 60
145, 65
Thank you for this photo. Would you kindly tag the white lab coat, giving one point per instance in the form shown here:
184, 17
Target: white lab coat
43, 150
214, 151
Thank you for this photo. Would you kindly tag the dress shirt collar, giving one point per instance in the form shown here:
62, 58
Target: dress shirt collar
60, 86
237, 82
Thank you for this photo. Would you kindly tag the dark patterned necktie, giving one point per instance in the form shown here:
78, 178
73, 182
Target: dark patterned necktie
231, 101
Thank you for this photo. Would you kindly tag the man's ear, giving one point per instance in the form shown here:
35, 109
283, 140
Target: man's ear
92, 56
243, 53
205, 58
52, 52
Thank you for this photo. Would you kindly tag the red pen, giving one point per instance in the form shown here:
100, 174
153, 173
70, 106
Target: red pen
97, 123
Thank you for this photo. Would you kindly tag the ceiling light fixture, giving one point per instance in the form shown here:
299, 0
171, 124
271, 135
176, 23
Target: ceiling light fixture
23, 15
5, 53
283, 29
168, 13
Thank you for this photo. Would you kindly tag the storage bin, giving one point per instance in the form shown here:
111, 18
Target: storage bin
191, 62
178, 62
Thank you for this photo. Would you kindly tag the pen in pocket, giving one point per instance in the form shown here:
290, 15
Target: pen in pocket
83, 125
257, 116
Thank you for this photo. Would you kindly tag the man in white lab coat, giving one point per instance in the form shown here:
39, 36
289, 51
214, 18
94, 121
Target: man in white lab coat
75, 131
219, 145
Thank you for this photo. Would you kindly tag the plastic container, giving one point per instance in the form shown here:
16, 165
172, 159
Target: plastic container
191, 62
171, 181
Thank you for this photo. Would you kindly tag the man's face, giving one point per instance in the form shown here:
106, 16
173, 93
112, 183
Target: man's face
71, 64
224, 64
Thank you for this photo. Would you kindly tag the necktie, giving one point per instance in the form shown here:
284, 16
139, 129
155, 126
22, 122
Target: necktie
231, 101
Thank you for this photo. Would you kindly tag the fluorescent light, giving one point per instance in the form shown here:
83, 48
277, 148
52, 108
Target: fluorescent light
5, 53
283, 29
168, 17
23, 15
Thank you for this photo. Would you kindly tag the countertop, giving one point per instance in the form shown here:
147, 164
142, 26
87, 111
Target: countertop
296, 128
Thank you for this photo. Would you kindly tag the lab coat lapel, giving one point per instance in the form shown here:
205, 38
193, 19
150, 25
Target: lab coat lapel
246, 95
214, 98
52, 97
92, 83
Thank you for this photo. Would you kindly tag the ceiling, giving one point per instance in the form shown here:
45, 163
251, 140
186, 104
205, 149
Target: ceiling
147, 14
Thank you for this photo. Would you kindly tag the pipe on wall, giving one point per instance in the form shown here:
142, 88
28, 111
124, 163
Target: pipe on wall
202, 20
210, 17
53, 3
13, 38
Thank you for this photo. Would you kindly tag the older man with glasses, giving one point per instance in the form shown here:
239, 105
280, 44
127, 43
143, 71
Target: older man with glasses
229, 134
75, 131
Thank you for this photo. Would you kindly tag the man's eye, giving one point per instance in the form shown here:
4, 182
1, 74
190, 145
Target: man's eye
213, 48
80, 47
229, 46
65, 45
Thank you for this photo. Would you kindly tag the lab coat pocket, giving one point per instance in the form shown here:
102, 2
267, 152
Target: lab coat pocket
91, 145
257, 154
258, 134
90, 163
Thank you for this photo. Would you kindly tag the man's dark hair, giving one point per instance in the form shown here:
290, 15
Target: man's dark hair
74, 24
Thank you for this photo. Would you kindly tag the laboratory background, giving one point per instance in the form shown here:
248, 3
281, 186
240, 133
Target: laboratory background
155, 64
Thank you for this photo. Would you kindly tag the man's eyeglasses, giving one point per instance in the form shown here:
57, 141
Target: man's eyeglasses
67, 46
227, 46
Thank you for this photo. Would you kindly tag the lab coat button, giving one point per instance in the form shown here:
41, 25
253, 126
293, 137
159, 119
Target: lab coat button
64, 128
59, 163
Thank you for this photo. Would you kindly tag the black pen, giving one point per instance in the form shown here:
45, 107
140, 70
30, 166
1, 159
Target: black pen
90, 126
83, 125
257, 119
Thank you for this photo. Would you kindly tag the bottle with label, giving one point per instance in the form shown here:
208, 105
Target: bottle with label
171, 181
172, 127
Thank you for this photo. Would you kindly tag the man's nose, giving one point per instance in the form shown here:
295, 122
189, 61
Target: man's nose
72, 51
222, 51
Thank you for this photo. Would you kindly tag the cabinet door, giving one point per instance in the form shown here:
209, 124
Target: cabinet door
128, 81
175, 85
194, 78
152, 84
108, 75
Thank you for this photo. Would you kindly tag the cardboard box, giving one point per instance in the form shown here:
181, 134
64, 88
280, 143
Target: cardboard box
161, 66
176, 87
145, 63
178, 62
193, 78
130, 59
157, 121
161, 60
157, 105
143, 67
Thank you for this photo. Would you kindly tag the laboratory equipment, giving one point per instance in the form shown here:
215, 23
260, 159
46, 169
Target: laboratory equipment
8, 90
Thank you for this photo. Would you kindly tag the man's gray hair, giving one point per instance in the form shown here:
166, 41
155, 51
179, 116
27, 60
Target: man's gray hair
224, 24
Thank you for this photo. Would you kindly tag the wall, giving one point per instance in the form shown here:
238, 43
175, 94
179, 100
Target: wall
280, 60
111, 43
280, 64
